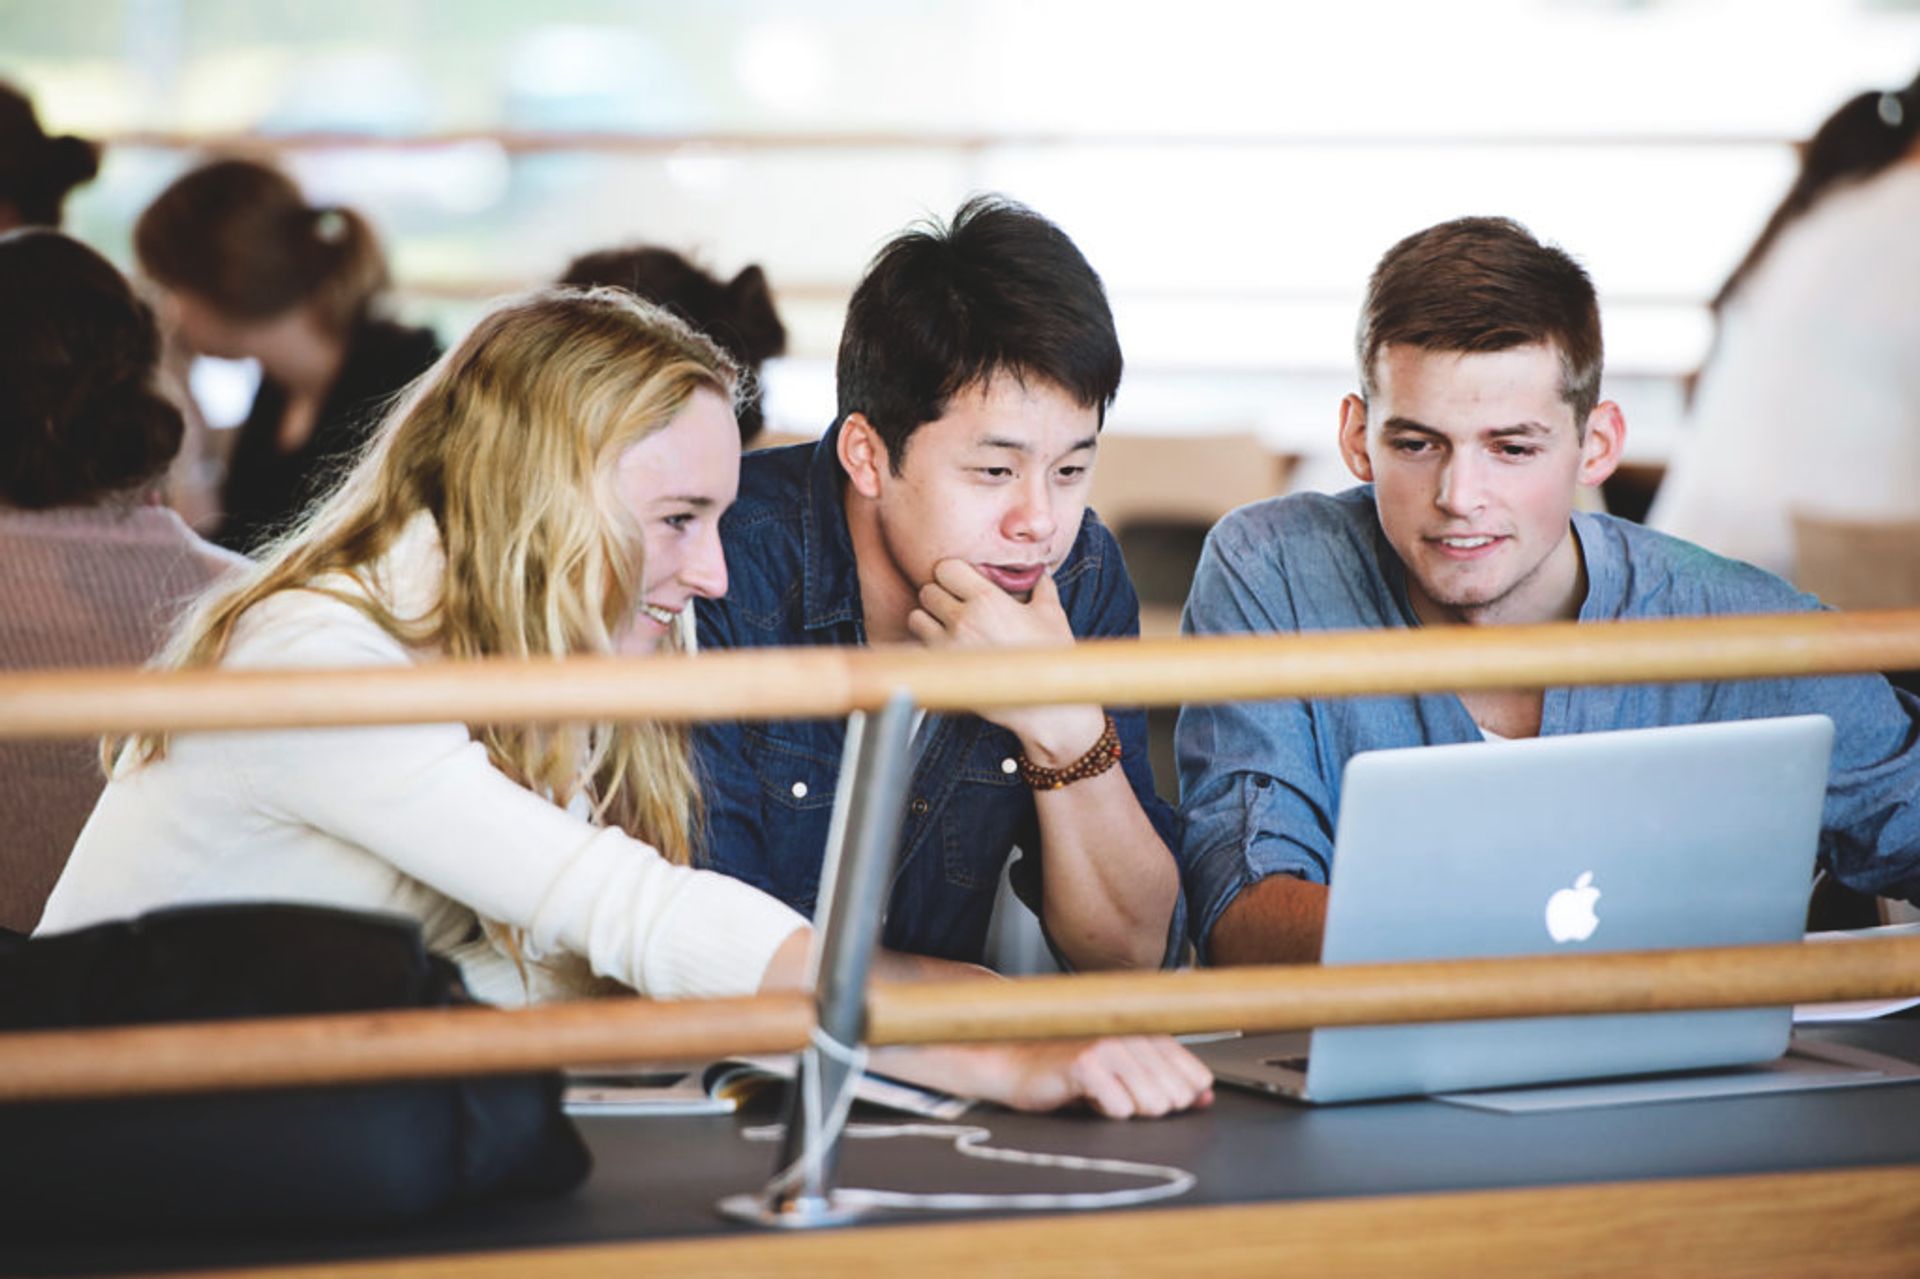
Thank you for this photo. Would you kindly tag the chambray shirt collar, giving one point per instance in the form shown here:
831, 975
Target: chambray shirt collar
830, 593
1392, 569
1607, 570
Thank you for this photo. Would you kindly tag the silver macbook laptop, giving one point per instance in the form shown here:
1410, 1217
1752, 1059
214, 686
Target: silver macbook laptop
1702, 835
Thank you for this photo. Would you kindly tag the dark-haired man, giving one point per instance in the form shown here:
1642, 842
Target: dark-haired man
948, 506
1478, 417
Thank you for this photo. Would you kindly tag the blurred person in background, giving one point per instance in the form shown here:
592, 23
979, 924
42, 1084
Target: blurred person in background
93, 570
37, 172
737, 314
1810, 399
250, 270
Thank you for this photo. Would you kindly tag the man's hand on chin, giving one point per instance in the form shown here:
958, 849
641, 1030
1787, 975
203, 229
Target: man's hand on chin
963, 607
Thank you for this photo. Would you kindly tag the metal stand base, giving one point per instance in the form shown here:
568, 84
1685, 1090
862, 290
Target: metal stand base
801, 1212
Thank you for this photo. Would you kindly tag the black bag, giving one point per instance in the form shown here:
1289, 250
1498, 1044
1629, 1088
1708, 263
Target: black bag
348, 1155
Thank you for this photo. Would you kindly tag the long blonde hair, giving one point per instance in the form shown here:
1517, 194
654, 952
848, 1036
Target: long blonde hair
509, 442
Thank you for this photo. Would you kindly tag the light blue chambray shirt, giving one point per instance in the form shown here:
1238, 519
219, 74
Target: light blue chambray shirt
1260, 781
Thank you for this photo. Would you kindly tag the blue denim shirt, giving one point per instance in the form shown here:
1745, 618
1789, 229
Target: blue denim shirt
1260, 781
769, 785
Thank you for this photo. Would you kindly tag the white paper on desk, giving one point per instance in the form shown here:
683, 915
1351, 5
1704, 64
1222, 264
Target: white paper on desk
1807, 1066
877, 1090
643, 1093
717, 1088
1851, 1010
1858, 1009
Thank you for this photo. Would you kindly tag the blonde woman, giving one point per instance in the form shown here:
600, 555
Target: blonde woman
552, 486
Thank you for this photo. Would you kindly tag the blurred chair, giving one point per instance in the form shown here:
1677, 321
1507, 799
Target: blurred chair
780, 439
1184, 477
1160, 494
1630, 490
1857, 563
1016, 946
1862, 564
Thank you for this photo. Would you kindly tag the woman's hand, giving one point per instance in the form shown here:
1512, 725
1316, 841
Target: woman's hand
1142, 1076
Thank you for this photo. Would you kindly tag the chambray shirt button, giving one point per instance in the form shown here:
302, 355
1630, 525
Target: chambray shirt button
1008, 766
919, 807
799, 790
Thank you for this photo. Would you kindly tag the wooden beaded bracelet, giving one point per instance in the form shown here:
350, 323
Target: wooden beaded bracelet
1101, 756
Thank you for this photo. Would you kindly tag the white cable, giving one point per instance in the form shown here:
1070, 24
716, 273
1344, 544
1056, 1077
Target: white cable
821, 1121
969, 1141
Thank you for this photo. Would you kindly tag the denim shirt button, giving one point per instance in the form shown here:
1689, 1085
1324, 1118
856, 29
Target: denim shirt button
1009, 765
799, 790
919, 806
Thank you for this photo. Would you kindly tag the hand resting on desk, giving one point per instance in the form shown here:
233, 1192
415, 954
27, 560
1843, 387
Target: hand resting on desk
1141, 1076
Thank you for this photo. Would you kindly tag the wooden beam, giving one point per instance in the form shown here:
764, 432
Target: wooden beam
618, 142
352, 1047
1300, 996
339, 1048
1860, 1223
828, 682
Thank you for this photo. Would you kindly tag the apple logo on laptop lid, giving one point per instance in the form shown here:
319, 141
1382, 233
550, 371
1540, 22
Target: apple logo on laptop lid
1570, 914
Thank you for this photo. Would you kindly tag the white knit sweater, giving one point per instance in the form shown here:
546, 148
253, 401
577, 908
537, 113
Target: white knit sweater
411, 819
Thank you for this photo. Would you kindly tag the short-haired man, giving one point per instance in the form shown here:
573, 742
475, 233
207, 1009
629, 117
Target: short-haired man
1479, 416
948, 506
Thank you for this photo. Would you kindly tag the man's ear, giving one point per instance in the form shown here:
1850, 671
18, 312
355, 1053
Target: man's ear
1605, 440
1353, 438
863, 455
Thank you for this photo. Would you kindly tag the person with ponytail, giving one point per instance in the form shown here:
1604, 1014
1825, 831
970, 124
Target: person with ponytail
551, 487
1809, 400
37, 172
93, 569
738, 313
250, 270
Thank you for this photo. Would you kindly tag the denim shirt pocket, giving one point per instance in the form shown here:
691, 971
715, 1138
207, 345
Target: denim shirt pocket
796, 775
986, 812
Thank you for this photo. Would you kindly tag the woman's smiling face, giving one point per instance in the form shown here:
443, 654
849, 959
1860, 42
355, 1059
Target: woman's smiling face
676, 484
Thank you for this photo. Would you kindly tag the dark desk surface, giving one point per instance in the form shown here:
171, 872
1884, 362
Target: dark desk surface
658, 1178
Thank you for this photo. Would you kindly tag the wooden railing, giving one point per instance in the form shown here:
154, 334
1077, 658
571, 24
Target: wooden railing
358, 1047
350, 1047
823, 682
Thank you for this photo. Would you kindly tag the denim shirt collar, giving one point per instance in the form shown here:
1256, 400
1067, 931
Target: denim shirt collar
830, 593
